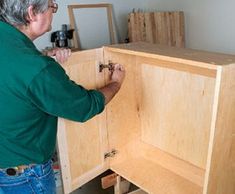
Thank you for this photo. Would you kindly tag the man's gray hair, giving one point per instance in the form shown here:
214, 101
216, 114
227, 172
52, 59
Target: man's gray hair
15, 12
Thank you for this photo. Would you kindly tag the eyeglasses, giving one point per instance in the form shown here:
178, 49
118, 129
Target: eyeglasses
54, 7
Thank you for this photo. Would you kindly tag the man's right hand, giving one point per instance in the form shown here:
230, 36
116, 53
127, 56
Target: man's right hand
118, 73
116, 79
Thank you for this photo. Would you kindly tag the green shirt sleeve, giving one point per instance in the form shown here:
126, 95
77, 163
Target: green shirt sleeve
54, 93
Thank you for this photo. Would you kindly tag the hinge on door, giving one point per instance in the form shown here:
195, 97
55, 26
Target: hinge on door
109, 66
110, 154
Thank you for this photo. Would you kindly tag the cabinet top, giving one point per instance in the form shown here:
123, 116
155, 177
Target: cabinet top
173, 53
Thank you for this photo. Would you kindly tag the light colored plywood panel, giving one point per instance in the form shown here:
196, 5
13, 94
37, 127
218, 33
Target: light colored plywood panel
232, 158
176, 109
62, 147
220, 176
154, 178
174, 164
178, 66
123, 111
179, 55
86, 142
192, 109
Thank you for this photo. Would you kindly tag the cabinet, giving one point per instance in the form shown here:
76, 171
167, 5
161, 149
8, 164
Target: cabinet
172, 124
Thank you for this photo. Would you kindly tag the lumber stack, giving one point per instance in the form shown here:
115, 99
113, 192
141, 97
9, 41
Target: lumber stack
165, 28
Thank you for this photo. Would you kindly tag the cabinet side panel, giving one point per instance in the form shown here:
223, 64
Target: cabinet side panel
221, 172
176, 109
86, 142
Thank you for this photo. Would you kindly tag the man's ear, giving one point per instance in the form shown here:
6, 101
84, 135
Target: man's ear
31, 14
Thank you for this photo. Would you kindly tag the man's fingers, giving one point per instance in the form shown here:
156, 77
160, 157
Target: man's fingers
119, 67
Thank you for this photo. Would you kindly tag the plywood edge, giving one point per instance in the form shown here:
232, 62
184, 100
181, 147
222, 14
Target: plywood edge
213, 124
221, 172
63, 156
199, 57
179, 60
80, 56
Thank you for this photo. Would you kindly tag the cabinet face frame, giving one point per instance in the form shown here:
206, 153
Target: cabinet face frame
136, 153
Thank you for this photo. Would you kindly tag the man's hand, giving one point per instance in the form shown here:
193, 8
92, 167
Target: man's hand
118, 74
116, 80
61, 54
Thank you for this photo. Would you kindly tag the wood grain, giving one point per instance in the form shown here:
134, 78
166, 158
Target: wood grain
176, 109
166, 28
154, 178
86, 142
190, 57
221, 178
172, 122
123, 122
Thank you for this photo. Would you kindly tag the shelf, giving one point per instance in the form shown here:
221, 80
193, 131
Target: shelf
139, 191
154, 178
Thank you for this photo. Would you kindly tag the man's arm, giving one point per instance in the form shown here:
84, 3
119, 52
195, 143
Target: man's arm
116, 80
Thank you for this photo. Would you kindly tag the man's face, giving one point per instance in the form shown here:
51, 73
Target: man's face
44, 20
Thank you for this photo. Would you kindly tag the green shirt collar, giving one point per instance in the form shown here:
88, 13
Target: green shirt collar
15, 33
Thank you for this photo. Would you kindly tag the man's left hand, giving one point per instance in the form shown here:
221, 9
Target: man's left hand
61, 54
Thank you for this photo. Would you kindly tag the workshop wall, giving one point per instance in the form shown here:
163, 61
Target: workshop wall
121, 8
209, 24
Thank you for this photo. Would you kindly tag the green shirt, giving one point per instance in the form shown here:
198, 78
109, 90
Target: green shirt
34, 91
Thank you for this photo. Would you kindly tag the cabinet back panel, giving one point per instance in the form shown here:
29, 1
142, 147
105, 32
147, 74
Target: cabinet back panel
175, 111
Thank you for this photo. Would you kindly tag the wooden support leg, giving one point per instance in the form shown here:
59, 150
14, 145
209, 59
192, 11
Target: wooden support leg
109, 181
138, 191
122, 186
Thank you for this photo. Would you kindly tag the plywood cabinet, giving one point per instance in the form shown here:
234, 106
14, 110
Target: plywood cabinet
169, 130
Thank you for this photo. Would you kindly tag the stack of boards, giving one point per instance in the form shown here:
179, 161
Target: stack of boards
166, 28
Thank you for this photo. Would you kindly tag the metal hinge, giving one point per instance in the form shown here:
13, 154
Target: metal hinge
109, 66
110, 154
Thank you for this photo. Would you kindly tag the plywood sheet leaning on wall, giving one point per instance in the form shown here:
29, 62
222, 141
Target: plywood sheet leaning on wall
165, 28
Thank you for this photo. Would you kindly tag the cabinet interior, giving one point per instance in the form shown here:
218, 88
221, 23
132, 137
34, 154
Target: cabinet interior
160, 122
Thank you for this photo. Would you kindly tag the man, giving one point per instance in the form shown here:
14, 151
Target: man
34, 91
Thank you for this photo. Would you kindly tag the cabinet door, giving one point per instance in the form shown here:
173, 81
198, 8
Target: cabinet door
82, 145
